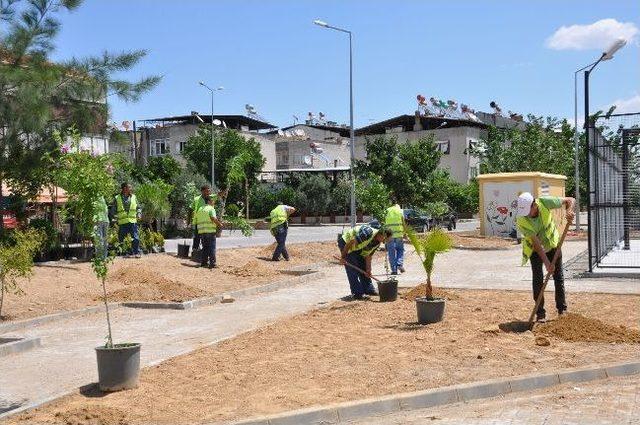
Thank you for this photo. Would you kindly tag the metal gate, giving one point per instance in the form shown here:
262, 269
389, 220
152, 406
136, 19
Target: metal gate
614, 191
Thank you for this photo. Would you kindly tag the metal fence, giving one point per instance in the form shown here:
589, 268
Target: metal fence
614, 192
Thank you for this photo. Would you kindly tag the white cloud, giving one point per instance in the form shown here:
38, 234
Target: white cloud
598, 35
624, 106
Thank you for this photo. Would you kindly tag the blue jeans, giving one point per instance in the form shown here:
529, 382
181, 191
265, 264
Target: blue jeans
130, 229
395, 251
280, 233
208, 249
358, 282
101, 231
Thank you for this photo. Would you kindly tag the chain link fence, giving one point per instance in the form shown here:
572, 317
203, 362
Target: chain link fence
614, 191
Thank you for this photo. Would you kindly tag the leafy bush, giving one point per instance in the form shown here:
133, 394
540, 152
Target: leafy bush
16, 259
436, 209
373, 195
154, 199
51, 237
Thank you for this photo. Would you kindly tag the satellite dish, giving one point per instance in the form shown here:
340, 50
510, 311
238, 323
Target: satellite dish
224, 124
307, 160
217, 122
126, 125
287, 134
280, 133
300, 132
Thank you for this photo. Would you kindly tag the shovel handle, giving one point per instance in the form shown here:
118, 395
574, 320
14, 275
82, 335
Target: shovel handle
548, 276
357, 268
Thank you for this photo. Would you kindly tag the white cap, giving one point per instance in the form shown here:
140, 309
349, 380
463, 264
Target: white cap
524, 204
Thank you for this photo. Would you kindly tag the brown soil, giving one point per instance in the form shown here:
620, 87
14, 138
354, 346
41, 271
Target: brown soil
140, 283
64, 285
349, 351
574, 327
93, 415
474, 239
419, 291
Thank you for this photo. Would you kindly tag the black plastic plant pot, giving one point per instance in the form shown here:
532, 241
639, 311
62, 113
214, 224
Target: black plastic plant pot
388, 290
118, 367
183, 250
430, 310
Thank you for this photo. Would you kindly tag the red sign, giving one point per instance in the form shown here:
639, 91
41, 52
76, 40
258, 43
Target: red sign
9, 220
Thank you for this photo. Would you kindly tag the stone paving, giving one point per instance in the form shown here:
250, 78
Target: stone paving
612, 401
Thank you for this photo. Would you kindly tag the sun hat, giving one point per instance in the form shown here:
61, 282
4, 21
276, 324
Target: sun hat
524, 204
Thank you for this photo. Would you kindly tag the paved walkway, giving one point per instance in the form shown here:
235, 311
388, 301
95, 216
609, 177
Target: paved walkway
66, 359
612, 401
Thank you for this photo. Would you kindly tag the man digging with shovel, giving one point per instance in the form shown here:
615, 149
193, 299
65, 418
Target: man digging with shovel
535, 222
357, 246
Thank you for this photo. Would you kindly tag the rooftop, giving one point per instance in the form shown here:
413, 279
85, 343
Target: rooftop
232, 121
407, 123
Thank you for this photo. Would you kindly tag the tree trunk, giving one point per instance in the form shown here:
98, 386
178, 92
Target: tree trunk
109, 343
1, 297
428, 291
246, 192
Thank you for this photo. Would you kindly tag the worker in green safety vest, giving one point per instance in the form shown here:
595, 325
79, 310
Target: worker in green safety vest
279, 226
534, 220
357, 246
208, 228
196, 205
127, 213
394, 220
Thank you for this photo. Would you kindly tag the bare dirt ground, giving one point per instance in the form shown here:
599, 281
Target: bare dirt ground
66, 286
349, 351
474, 240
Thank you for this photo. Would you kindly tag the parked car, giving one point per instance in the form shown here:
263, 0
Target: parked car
448, 221
420, 221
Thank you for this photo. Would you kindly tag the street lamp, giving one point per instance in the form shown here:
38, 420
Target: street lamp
351, 131
607, 55
213, 156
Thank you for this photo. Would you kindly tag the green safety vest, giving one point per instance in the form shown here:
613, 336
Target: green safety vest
393, 221
123, 216
549, 238
278, 216
203, 220
100, 211
364, 247
198, 202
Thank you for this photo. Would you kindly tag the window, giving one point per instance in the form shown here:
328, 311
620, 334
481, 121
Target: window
160, 147
444, 147
181, 146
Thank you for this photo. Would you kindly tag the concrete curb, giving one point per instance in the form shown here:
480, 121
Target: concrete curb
18, 345
343, 412
502, 248
28, 323
254, 290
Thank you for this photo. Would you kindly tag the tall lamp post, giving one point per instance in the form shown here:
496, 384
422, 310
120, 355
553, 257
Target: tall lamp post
617, 45
351, 131
213, 154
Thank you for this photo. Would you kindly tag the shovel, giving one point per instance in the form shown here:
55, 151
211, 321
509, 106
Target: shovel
357, 269
546, 279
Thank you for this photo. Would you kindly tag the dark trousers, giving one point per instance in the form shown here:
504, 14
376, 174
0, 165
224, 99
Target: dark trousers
132, 230
196, 238
537, 267
280, 233
358, 282
208, 249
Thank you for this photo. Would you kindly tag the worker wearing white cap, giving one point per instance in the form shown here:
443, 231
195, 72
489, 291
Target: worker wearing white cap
535, 222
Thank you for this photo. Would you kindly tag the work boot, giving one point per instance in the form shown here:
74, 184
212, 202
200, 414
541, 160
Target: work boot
213, 266
394, 273
402, 270
561, 312
373, 293
541, 318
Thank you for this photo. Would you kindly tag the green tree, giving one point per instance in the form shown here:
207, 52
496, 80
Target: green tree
85, 178
39, 96
314, 194
16, 260
373, 195
186, 186
154, 199
427, 247
238, 160
545, 145
165, 168
405, 168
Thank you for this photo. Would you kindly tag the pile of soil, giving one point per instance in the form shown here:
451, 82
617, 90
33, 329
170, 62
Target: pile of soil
418, 292
143, 284
252, 268
575, 327
92, 415
474, 240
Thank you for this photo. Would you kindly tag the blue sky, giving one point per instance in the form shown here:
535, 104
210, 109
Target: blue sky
269, 54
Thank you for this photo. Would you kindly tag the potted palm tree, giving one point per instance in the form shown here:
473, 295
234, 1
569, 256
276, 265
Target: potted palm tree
429, 308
